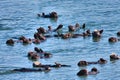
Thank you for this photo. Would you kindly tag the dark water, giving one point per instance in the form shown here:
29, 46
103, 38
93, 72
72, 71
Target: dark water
19, 17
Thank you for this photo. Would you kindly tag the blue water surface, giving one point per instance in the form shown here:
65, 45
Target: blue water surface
19, 17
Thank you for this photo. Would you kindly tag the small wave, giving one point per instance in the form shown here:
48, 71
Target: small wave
5, 72
7, 19
1, 25
5, 67
5, 28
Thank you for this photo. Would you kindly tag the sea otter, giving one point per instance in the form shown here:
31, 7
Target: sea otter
57, 65
84, 72
50, 15
85, 63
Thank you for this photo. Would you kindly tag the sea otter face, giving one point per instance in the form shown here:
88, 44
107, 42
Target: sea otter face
10, 42
33, 55
82, 72
102, 61
71, 28
53, 15
97, 33
112, 39
41, 30
114, 56
82, 63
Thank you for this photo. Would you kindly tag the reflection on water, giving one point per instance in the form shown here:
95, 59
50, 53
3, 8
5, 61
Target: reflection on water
96, 39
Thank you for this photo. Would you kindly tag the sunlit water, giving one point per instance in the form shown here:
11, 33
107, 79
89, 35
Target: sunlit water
19, 17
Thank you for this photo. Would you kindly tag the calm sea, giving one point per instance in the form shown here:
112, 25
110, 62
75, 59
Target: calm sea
19, 17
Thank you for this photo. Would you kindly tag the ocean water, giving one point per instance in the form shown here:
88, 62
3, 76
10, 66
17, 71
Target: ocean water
19, 17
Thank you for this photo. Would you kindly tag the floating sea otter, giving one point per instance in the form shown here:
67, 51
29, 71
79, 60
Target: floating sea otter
32, 69
33, 55
10, 42
114, 56
76, 27
41, 52
113, 39
84, 34
97, 33
38, 53
57, 65
50, 15
85, 63
39, 36
70, 35
24, 40
84, 72
41, 30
